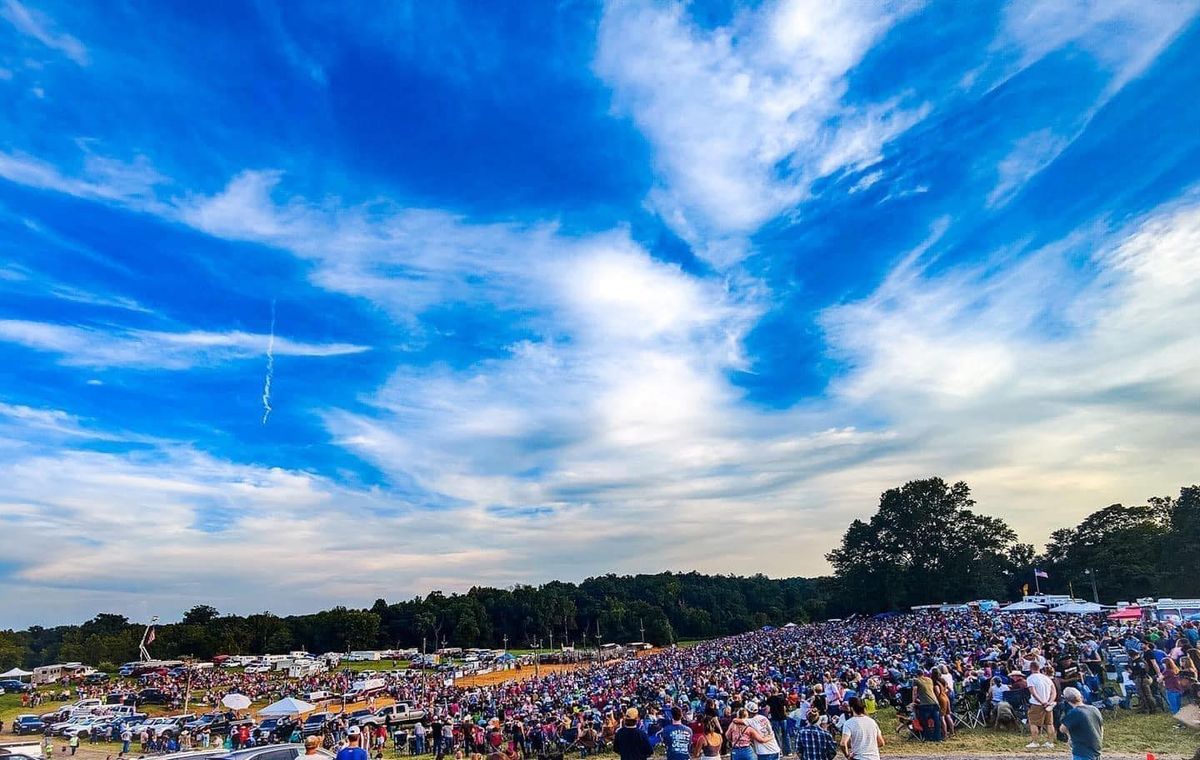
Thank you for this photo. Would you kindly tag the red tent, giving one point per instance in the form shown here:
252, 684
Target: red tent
1129, 613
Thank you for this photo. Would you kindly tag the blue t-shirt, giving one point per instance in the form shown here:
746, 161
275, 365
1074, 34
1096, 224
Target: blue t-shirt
678, 741
352, 753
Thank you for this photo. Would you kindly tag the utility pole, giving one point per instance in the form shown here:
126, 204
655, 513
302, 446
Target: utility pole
506, 642
642, 630
1095, 594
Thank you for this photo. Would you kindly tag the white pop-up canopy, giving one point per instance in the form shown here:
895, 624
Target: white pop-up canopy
1023, 607
15, 673
1079, 608
286, 707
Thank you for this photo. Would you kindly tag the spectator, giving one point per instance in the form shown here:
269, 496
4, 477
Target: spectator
1042, 697
1084, 726
861, 737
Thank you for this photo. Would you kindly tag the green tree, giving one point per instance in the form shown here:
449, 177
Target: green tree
924, 544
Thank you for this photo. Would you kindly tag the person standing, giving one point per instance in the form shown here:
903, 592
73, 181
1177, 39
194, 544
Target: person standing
766, 746
352, 750
73, 743
630, 741
676, 737
814, 742
1042, 696
777, 706
861, 737
1084, 726
927, 707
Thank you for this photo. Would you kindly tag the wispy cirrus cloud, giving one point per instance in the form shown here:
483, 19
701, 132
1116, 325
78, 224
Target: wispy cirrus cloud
151, 349
745, 117
38, 26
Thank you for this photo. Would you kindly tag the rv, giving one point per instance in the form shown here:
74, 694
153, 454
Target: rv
1180, 609
364, 688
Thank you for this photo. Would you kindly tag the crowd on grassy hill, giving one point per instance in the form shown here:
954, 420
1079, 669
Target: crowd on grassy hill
939, 670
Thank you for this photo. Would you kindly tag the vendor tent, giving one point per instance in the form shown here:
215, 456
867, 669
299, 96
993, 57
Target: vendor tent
1129, 613
1023, 607
286, 707
1079, 608
15, 673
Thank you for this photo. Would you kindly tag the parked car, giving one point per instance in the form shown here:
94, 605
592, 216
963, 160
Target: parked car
153, 697
28, 724
315, 723
73, 726
272, 752
13, 686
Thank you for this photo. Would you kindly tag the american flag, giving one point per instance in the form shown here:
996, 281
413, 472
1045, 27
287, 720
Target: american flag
1041, 574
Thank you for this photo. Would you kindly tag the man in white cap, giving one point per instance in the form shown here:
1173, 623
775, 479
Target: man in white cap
352, 750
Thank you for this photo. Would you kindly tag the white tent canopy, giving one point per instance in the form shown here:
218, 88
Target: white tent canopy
1023, 607
15, 673
1079, 608
286, 707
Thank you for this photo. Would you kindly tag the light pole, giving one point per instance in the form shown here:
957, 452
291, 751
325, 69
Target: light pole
1095, 594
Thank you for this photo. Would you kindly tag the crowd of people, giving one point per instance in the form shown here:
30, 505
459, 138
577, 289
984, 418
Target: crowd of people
797, 690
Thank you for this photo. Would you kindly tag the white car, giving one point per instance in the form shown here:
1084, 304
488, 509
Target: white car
72, 726
251, 669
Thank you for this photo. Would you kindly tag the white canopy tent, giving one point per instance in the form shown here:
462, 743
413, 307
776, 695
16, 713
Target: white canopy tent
1079, 608
1023, 607
286, 708
16, 673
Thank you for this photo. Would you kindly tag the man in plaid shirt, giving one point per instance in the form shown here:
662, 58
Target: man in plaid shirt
814, 742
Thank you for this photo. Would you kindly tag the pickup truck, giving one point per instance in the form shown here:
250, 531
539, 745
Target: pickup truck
398, 713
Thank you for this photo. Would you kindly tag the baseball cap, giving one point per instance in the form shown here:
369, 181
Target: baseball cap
353, 731
632, 713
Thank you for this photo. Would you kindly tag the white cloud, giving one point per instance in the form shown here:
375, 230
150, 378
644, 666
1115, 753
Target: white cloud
1036, 388
36, 25
131, 184
744, 118
150, 349
1124, 35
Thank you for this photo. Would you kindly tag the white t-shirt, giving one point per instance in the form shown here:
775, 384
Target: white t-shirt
863, 736
1041, 689
761, 724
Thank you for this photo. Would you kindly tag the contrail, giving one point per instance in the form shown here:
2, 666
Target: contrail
266, 394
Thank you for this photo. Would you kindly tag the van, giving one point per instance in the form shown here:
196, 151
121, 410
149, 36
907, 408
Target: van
321, 695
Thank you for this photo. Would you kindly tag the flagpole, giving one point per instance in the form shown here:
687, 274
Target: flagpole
1036, 584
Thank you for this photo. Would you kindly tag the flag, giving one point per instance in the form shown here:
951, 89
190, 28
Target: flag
1040, 574
150, 636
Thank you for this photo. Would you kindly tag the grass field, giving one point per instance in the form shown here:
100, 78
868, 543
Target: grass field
1124, 734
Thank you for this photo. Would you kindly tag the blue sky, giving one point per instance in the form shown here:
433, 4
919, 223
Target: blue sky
574, 288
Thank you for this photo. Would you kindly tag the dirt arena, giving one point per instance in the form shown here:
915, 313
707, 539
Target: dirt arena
526, 672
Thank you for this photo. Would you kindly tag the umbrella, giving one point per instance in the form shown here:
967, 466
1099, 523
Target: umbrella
287, 706
1023, 607
15, 673
236, 701
1079, 608
1194, 616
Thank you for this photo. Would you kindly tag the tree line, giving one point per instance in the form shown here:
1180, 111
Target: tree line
925, 543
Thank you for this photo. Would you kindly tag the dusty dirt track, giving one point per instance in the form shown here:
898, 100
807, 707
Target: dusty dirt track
526, 672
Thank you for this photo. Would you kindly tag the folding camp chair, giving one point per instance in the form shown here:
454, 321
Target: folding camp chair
971, 712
